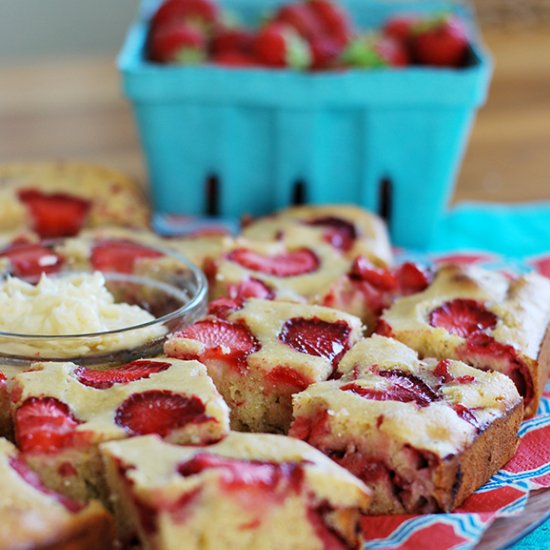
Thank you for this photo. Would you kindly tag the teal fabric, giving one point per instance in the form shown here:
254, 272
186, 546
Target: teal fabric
515, 231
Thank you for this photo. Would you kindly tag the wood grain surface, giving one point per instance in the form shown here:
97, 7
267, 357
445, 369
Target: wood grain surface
73, 108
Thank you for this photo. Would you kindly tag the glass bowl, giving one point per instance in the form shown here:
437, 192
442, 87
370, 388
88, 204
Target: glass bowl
161, 282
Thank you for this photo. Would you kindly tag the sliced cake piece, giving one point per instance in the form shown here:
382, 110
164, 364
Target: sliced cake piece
484, 318
62, 412
258, 356
250, 491
296, 268
349, 229
58, 199
34, 517
423, 435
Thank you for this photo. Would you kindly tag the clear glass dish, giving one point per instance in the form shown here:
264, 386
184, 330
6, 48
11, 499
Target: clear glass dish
168, 286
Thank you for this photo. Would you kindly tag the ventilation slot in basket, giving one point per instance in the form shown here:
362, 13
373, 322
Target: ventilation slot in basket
299, 195
385, 198
212, 192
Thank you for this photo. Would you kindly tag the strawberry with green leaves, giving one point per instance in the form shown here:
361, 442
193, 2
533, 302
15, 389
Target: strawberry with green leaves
278, 45
376, 51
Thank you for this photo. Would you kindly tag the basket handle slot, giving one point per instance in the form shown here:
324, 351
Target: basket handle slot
299, 192
385, 192
212, 195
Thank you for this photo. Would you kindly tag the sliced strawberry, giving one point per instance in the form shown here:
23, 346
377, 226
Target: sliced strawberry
310, 428
44, 424
363, 270
341, 234
119, 255
289, 264
317, 337
467, 415
484, 352
223, 307
159, 412
56, 214
462, 317
104, 379
464, 258
267, 478
319, 518
287, 376
222, 339
404, 387
411, 278
30, 260
383, 328
250, 288
31, 478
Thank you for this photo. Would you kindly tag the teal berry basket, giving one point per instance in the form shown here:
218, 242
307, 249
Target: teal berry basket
230, 142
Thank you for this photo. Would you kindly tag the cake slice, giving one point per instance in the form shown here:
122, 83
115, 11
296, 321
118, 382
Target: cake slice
250, 491
348, 229
58, 199
34, 517
422, 434
261, 354
62, 412
486, 319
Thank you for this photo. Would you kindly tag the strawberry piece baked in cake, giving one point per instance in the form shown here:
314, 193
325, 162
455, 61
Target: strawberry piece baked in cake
296, 268
349, 229
484, 318
249, 491
62, 412
261, 354
60, 199
423, 435
36, 517
367, 290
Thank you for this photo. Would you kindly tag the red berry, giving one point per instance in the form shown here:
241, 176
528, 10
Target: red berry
462, 317
287, 376
234, 59
340, 233
250, 288
199, 12
288, 264
278, 45
177, 42
30, 260
103, 379
303, 19
44, 424
363, 270
376, 51
442, 42
400, 27
467, 415
232, 40
325, 53
56, 214
335, 20
222, 338
158, 412
119, 255
411, 278
317, 337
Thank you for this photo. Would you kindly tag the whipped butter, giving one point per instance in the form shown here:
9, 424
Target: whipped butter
69, 305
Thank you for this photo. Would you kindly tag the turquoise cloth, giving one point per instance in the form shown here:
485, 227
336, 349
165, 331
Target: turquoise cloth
514, 231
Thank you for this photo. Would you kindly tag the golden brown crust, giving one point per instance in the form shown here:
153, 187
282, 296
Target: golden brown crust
458, 478
116, 199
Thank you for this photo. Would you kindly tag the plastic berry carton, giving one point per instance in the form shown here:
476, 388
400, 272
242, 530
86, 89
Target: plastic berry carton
230, 142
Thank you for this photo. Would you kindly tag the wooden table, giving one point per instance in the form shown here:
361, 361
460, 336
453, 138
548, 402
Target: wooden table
72, 108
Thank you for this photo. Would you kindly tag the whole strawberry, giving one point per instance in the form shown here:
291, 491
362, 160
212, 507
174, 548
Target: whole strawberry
401, 27
177, 42
279, 45
303, 19
202, 13
376, 51
441, 42
334, 19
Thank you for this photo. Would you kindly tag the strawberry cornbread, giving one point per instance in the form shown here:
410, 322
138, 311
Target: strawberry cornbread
484, 318
422, 434
262, 353
348, 229
34, 517
250, 491
59, 199
62, 412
